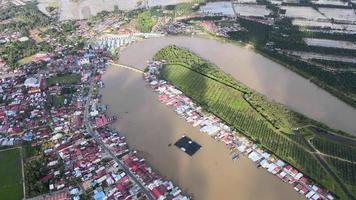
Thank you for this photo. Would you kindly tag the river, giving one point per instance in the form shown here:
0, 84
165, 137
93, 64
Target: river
151, 126
257, 72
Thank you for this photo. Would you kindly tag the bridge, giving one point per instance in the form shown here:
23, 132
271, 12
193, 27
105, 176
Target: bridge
126, 67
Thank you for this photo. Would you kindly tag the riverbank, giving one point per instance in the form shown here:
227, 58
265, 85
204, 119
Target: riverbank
221, 95
210, 124
150, 126
257, 72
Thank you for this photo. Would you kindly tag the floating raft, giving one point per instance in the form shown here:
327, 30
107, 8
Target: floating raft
187, 145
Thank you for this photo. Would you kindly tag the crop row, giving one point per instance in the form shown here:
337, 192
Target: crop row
228, 104
345, 170
334, 148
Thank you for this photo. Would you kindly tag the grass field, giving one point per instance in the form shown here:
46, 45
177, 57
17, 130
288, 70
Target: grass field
26, 60
269, 124
63, 79
10, 175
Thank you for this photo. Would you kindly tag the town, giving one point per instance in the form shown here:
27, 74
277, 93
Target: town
58, 140
49, 108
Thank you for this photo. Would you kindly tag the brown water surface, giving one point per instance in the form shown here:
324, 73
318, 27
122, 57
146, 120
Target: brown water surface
151, 126
257, 72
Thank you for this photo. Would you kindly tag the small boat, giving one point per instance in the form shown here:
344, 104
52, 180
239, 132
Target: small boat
235, 156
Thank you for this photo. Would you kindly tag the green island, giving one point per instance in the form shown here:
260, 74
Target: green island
10, 174
289, 135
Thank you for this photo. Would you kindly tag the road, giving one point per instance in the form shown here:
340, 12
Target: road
126, 67
327, 168
97, 138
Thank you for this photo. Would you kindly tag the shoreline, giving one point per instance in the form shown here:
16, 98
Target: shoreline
225, 133
241, 177
282, 94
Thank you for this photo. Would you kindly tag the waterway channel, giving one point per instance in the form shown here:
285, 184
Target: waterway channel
151, 126
257, 72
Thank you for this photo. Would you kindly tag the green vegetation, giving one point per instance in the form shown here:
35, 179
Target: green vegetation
23, 18
341, 84
59, 100
17, 50
267, 123
34, 171
63, 79
29, 150
183, 9
26, 60
334, 148
283, 35
335, 64
276, 114
346, 171
145, 22
11, 175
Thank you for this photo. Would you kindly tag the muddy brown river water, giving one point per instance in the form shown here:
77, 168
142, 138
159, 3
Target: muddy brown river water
211, 174
151, 126
257, 72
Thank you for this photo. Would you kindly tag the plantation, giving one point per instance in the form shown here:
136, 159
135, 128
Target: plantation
346, 171
276, 114
335, 149
267, 123
10, 174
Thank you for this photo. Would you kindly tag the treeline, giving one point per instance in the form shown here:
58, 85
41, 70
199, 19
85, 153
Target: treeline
335, 64
145, 22
23, 18
337, 83
284, 35
331, 36
34, 171
14, 51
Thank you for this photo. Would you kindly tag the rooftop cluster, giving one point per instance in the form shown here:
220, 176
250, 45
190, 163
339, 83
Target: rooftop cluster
47, 108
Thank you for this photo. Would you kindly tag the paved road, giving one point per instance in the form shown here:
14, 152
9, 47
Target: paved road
126, 67
97, 138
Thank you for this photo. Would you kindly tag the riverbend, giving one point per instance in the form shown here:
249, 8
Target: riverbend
257, 72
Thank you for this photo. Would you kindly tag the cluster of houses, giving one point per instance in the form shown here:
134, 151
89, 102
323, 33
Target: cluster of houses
113, 41
214, 127
47, 109
159, 188
177, 28
22, 108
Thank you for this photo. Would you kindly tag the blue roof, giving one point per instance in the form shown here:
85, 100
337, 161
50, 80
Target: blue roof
99, 195
88, 55
27, 136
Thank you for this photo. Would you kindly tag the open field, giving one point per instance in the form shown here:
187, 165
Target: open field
256, 118
10, 174
64, 79
26, 60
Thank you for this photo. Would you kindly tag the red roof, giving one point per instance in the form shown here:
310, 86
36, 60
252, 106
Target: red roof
156, 192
